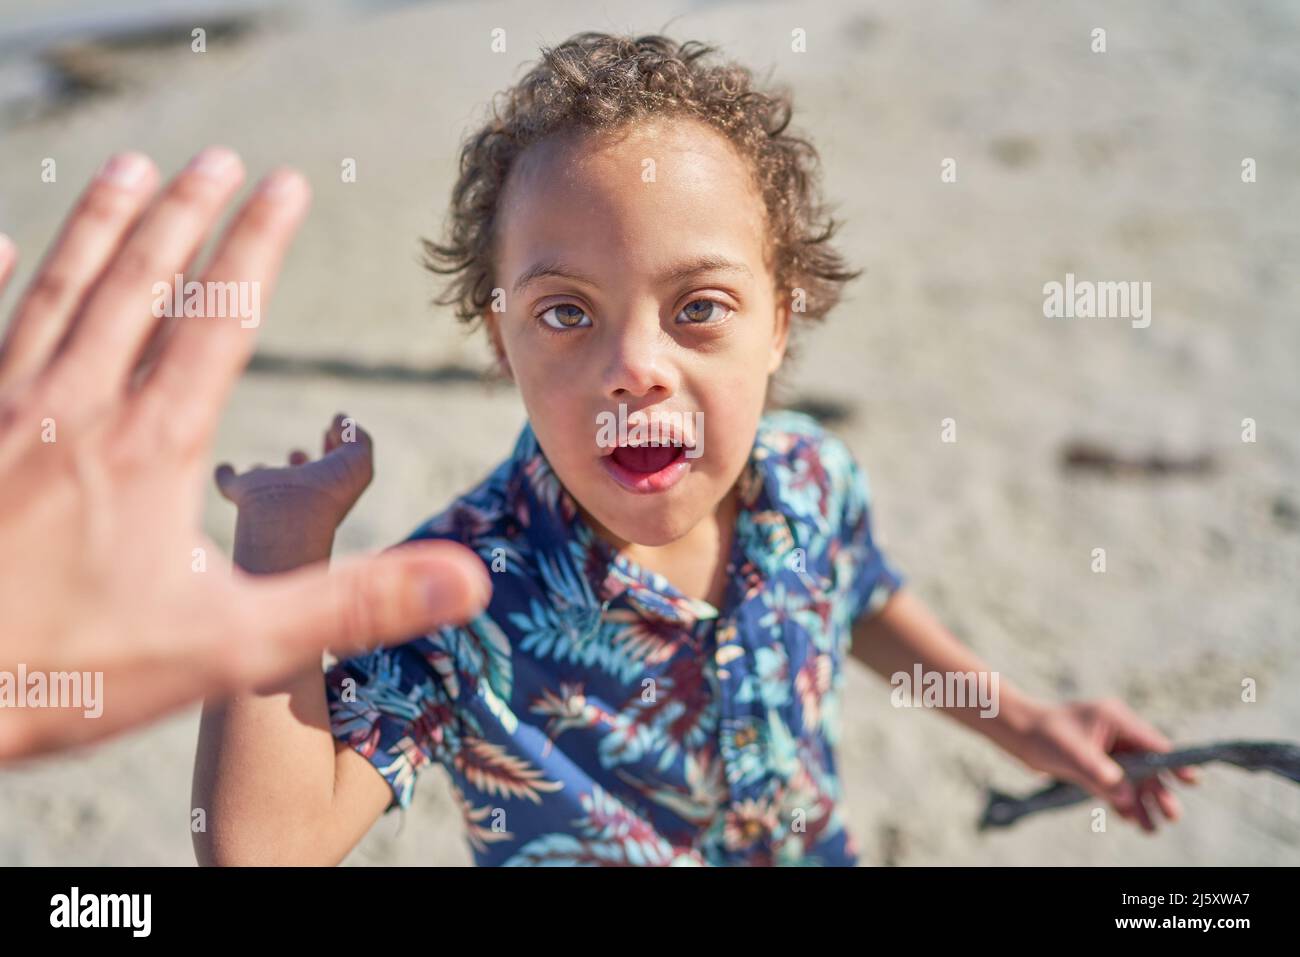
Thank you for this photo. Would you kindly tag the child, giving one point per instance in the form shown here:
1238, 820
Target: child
656, 677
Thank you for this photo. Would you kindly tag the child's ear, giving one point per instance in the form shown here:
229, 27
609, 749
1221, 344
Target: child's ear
781, 332
498, 349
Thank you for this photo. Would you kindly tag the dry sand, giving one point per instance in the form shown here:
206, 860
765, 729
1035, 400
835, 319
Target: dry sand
1118, 166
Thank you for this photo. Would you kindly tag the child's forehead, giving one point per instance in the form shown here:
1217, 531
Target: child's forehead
633, 187
665, 151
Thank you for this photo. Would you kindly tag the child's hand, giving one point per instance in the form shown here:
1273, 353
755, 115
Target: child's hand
1073, 742
327, 487
287, 515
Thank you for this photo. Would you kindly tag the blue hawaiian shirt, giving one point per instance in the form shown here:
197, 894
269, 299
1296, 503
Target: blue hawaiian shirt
593, 714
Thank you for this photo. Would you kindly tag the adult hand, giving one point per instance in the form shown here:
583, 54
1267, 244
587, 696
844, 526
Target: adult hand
107, 415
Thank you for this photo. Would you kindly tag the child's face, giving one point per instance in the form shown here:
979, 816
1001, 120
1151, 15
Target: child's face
667, 304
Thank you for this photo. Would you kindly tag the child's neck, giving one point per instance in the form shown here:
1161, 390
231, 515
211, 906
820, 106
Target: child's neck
696, 563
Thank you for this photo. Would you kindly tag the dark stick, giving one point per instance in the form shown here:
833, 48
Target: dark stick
1279, 757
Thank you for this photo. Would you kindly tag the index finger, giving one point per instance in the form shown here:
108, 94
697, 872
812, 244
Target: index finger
89, 239
1133, 731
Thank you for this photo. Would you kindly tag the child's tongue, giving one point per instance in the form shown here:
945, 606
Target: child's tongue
645, 458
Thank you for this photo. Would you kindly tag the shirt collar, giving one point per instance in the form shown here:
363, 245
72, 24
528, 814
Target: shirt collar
560, 535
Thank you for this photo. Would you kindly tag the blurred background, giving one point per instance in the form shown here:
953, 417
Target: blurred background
1072, 434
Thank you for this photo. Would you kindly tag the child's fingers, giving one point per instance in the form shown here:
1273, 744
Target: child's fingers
1165, 799
225, 478
1143, 813
344, 430
1100, 774
334, 434
1126, 799
1135, 733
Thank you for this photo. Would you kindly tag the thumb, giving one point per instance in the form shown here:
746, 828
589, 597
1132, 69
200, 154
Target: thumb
388, 598
1103, 776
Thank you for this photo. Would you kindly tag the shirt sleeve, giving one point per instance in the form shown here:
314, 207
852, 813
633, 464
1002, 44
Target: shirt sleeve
872, 576
395, 707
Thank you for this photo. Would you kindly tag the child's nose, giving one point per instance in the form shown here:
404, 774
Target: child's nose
639, 362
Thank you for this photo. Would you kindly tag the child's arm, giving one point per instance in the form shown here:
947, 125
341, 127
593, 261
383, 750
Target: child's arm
1070, 741
904, 632
273, 787
273, 784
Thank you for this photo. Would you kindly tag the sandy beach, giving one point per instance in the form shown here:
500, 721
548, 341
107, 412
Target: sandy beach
1123, 165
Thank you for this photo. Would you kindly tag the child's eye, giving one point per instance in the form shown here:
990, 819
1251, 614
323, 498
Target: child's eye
702, 311
567, 316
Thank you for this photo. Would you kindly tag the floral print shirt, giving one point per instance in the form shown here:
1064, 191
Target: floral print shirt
592, 714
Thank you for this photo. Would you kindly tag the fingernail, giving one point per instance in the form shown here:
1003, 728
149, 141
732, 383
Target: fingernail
281, 183
213, 163
6, 244
439, 597
125, 171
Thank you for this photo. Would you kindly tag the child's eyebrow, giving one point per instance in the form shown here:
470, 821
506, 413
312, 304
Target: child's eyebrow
550, 267
674, 273
693, 267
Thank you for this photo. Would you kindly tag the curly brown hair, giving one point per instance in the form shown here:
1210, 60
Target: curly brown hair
596, 83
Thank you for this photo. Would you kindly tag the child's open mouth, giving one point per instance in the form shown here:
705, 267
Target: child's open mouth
647, 468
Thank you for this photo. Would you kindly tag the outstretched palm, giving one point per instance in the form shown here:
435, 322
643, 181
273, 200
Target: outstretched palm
106, 422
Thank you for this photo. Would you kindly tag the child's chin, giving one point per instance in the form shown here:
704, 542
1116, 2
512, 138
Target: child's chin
650, 521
